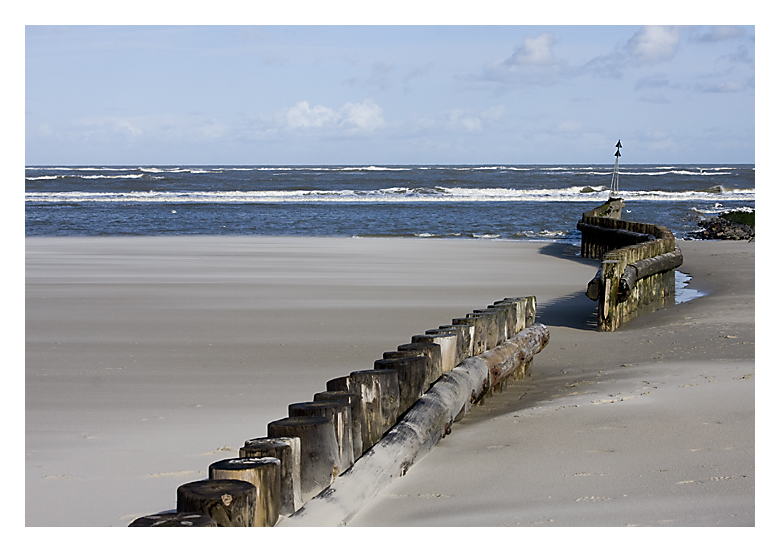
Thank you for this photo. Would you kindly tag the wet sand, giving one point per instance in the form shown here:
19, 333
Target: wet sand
149, 358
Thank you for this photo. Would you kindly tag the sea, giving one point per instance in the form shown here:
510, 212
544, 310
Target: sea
489, 202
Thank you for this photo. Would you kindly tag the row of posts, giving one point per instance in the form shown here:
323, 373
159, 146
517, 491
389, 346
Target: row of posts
303, 453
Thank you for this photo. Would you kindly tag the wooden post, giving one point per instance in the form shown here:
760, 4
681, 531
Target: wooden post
448, 342
411, 378
319, 450
465, 340
521, 306
608, 316
229, 502
340, 416
506, 322
338, 384
491, 320
288, 451
480, 324
264, 474
380, 394
171, 519
432, 352
530, 310
352, 400
513, 312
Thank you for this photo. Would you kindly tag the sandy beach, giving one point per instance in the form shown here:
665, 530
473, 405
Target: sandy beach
149, 358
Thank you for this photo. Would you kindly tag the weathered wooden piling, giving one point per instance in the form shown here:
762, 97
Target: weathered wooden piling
229, 502
458, 347
465, 346
341, 383
379, 394
174, 519
448, 341
264, 474
411, 372
467, 332
607, 315
288, 451
319, 450
518, 308
389, 395
479, 326
506, 320
432, 352
340, 415
352, 400
491, 325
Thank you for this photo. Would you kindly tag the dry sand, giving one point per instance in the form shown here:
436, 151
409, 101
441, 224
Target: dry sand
147, 359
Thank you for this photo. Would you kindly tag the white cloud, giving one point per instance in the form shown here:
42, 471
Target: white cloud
303, 116
366, 116
531, 63
361, 117
127, 128
534, 51
457, 119
654, 44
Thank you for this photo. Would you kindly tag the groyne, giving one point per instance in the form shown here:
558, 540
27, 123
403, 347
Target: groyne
637, 264
320, 464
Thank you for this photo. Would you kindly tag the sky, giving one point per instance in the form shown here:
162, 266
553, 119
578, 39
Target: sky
388, 94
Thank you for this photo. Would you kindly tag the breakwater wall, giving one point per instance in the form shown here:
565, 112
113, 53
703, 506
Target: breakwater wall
320, 464
637, 267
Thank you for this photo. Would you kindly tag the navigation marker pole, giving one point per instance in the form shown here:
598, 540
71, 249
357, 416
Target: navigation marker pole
613, 188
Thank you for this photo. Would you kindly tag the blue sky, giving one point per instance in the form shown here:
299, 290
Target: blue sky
416, 94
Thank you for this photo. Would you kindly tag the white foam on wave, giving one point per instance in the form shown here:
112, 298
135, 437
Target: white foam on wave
387, 195
684, 172
91, 169
98, 176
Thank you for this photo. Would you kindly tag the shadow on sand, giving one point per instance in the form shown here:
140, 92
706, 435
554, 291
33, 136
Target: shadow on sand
571, 311
574, 310
568, 252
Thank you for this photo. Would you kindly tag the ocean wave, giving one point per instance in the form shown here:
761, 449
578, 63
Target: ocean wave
368, 168
388, 195
85, 176
98, 176
719, 208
